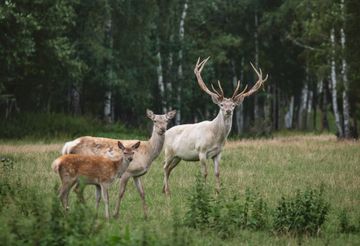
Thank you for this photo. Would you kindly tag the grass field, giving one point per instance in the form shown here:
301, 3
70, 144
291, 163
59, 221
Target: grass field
273, 168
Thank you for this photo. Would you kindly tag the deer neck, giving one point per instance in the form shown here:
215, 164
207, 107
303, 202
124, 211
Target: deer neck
156, 143
222, 124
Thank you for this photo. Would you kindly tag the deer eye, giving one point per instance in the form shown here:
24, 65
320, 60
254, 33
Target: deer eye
221, 105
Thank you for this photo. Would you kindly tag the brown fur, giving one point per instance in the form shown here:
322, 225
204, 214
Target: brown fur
97, 170
143, 158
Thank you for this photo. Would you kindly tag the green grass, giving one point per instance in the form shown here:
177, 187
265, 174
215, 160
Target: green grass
274, 168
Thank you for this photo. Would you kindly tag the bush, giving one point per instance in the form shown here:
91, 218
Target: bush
345, 224
304, 213
225, 216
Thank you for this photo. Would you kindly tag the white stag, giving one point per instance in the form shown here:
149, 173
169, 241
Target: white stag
206, 139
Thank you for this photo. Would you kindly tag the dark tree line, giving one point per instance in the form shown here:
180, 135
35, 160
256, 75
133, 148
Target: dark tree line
113, 59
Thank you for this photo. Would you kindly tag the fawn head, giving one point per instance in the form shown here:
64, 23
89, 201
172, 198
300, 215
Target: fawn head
160, 120
128, 152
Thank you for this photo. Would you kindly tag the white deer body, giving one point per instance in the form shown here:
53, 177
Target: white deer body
204, 140
207, 137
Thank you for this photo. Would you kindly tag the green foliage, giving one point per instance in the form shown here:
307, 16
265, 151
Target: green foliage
199, 209
225, 216
345, 224
303, 214
55, 125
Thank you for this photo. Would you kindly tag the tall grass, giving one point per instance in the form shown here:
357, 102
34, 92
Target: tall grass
255, 175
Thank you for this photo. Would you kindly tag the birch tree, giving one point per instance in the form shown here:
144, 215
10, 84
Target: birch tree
180, 68
334, 85
345, 94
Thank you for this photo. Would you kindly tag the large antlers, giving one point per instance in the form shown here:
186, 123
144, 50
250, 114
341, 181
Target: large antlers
240, 96
197, 70
237, 96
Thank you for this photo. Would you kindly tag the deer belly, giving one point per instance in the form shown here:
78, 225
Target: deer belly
189, 155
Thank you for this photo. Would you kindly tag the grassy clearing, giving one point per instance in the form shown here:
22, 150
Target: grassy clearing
273, 168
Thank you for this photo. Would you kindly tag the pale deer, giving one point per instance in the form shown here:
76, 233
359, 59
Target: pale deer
78, 170
143, 158
206, 139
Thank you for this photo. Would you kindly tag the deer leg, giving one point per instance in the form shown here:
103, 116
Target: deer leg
64, 193
79, 190
105, 195
123, 182
97, 197
168, 167
217, 171
202, 158
140, 189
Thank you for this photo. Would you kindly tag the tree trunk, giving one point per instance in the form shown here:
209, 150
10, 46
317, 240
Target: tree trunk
75, 100
302, 114
239, 118
324, 123
333, 86
108, 111
180, 69
345, 95
159, 71
290, 114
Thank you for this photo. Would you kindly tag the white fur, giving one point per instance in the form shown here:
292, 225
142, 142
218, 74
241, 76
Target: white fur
68, 146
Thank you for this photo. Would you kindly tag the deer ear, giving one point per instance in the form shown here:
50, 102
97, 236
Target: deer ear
121, 146
239, 101
150, 114
136, 145
170, 115
215, 99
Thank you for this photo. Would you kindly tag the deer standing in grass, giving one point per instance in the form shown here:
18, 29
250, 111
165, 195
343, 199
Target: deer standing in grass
77, 169
143, 158
206, 139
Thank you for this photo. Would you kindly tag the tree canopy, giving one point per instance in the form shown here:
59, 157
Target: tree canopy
116, 58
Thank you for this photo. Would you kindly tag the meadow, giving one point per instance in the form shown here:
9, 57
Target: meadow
30, 212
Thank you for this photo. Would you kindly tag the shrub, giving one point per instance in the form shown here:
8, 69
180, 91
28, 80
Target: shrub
304, 213
345, 224
222, 215
198, 213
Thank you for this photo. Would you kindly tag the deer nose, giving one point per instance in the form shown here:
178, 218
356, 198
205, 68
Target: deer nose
228, 111
130, 158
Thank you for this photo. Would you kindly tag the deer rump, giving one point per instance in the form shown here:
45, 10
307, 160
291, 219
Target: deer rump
95, 146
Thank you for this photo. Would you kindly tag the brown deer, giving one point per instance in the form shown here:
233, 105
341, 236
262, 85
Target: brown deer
143, 158
77, 169
206, 139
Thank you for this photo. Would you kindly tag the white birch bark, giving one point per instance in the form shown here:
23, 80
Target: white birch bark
108, 116
180, 69
333, 85
303, 106
107, 106
159, 71
345, 95
290, 114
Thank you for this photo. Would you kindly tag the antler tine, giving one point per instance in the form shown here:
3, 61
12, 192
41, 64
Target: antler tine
213, 88
197, 70
236, 89
255, 87
221, 89
200, 65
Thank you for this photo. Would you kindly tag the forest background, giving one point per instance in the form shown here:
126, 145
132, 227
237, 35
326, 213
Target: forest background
107, 61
